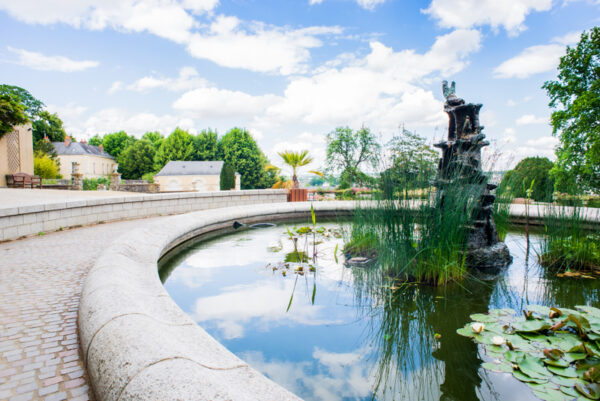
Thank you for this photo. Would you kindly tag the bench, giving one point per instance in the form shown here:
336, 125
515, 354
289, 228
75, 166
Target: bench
23, 180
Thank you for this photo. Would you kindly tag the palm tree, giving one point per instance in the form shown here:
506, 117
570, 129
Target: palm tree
295, 160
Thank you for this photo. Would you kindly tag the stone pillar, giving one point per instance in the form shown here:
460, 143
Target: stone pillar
238, 181
77, 178
115, 181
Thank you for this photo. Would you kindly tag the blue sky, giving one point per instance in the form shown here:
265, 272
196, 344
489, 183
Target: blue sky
291, 71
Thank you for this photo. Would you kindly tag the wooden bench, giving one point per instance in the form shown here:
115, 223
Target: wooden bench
23, 180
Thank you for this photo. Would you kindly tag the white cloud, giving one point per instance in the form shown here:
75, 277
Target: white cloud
529, 119
511, 103
188, 79
533, 60
305, 141
200, 6
509, 14
369, 4
257, 47
115, 87
222, 103
41, 62
568, 39
509, 135
379, 89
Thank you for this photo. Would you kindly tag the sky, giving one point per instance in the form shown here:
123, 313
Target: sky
291, 71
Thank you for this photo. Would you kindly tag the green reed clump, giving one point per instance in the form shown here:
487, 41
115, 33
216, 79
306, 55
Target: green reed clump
421, 240
568, 243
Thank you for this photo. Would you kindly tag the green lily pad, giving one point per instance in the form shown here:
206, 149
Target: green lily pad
533, 368
542, 310
565, 372
570, 391
529, 326
550, 395
497, 367
590, 390
526, 379
483, 318
466, 332
559, 363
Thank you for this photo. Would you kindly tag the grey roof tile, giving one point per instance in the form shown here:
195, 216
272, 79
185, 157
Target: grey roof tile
192, 168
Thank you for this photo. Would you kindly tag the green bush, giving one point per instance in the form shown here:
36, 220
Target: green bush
149, 177
44, 166
227, 180
531, 169
91, 184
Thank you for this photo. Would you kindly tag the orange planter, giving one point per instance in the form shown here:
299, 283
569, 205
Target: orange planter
297, 195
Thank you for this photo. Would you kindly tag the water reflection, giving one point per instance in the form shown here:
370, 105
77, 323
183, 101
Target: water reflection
356, 342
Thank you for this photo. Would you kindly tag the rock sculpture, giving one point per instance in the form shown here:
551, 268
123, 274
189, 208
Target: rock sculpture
460, 164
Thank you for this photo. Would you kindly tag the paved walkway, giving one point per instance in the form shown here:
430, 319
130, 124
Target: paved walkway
11, 197
40, 284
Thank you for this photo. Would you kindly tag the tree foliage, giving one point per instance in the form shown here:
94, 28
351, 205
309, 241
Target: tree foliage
295, 160
227, 179
114, 144
414, 162
240, 151
155, 138
32, 106
575, 97
96, 140
348, 151
11, 113
531, 170
44, 166
177, 146
49, 125
137, 159
206, 145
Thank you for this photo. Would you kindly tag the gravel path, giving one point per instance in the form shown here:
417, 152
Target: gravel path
40, 284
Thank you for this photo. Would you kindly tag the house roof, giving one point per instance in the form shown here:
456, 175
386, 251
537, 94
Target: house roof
191, 168
78, 148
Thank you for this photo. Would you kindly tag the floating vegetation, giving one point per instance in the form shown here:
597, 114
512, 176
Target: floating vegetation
554, 351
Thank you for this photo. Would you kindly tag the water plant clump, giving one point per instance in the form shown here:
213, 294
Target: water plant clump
568, 245
556, 351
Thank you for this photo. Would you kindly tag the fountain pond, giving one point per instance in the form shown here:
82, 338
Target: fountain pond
328, 332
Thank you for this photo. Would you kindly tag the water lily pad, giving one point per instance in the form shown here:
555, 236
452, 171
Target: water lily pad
573, 356
483, 318
497, 367
526, 379
590, 390
559, 363
532, 368
565, 372
542, 310
550, 395
570, 391
529, 326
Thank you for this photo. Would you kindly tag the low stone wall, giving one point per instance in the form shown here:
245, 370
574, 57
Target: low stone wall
138, 344
17, 222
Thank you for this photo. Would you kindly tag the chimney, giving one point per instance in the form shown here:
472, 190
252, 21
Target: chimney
46, 139
84, 141
101, 148
67, 141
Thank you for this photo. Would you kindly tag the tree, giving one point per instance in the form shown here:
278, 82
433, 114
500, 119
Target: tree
575, 97
137, 159
348, 151
96, 140
227, 178
155, 138
240, 151
177, 146
11, 113
530, 170
49, 125
206, 146
44, 166
414, 162
114, 144
32, 106
295, 160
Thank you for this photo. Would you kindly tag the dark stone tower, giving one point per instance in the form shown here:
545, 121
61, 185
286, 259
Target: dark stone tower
461, 165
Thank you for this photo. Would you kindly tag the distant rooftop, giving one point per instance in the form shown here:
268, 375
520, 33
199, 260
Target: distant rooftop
78, 148
191, 168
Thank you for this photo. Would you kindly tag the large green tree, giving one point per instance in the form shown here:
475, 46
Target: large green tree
137, 159
238, 149
96, 140
177, 146
414, 162
155, 137
575, 97
530, 173
206, 146
32, 106
349, 151
12, 113
114, 144
49, 125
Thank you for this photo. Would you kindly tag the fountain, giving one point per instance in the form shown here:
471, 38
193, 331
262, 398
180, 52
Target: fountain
461, 165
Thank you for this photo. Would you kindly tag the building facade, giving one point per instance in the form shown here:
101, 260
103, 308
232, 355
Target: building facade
93, 161
198, 176
16, 152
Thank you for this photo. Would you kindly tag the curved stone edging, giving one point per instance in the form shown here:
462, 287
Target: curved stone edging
139, 345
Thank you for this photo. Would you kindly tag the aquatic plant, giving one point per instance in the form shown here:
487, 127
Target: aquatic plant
556, 351
568, 244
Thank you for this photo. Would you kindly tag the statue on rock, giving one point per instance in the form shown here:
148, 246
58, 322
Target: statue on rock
460, 164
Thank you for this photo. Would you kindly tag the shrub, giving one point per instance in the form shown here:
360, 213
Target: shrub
91, 184
531, 169
227, 179
149, 177
44, 166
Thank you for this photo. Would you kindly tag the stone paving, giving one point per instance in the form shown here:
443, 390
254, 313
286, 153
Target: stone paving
40, 284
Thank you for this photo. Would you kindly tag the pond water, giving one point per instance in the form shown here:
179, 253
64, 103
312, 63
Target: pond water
342, 340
